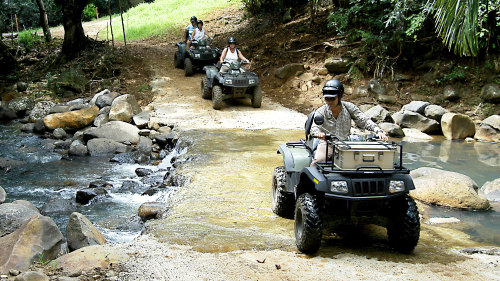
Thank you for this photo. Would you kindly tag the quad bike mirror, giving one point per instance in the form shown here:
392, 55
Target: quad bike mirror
319, 119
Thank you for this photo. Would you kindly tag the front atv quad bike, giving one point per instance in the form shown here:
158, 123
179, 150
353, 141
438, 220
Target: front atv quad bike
364, 183
196, 58
234, 84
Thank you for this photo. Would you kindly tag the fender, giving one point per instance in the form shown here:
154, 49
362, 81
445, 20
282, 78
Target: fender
295, 158
211, 71
311, 178
181, 46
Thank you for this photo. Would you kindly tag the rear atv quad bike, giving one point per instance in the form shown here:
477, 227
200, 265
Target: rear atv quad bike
196, 58
237, 83
364, 183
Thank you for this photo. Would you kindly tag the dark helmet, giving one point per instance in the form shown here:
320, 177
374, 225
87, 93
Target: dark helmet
231, 40
193, 18
333, 88
199, 21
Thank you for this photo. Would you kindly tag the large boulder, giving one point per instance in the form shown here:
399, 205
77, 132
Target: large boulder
21, 105
489, 129
392, 129
40, 110
12, 216
80, 232
3, 195
104, 147
416, 106
449, 189
6, 114
457, 126
72, 119
26, 203
89, 258
78, 148
415, 135
337, 65
491, 93
435, 112
288, 70
491, 190
59, 206
124, 108
84, 196
378, 114
411, 119
38, 239
115, 130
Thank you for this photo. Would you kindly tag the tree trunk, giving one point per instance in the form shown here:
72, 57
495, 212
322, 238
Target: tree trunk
44, 21
74, 37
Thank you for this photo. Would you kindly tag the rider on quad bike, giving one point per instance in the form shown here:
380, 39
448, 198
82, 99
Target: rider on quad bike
231, 54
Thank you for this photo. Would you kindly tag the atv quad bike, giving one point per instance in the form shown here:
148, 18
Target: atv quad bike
363, 183
195, 58
236, 83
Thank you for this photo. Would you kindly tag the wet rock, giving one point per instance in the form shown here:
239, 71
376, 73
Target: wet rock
153, 180
59, 134
6, 114
457, 126
117, 131
100, 184
91, 257
435, 112
106, 99
26, 203
288, 70
142, 172
378, 113
152, 191
3, 195
451, 93
21, 105
94, 99
71, 120
59, 206
12, 216
175, 179
152, 210
32, 276
80, 232
38, 239
413, 135
104, 147
491, 93
124, 158
410, 119
28, 127
337, 65
392, 130
449, 189
144, 148
131, 186
491, 190
40, 110
77, 148
416, 106
166, 140
489, 129
6, 163
39, 126
374, 86
85, 195
141, 120
62, 144
123, 108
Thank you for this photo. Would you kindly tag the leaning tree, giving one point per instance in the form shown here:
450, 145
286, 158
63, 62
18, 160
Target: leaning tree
44, 21
74, 37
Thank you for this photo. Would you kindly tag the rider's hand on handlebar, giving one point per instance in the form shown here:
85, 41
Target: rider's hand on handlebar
382, 136
320, 135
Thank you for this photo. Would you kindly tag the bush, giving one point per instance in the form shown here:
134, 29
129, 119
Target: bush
28, 40
89, 13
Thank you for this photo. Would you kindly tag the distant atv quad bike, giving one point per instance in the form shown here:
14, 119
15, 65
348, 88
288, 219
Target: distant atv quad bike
195, 58
230, 85
363, 183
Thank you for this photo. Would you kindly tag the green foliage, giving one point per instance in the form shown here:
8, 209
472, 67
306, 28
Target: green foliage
28, 15
457, 74
143, 87
89, 12
28, 39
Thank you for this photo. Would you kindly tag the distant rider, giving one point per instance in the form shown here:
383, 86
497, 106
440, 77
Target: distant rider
231, 55
338, 115
198, 34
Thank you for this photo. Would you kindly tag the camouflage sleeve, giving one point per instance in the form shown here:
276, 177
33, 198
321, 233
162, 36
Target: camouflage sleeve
361, 119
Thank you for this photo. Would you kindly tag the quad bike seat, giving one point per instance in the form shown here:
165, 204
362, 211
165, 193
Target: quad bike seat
311, 142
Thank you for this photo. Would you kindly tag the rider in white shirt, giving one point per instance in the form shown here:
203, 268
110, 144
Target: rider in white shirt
231, 55
198, 34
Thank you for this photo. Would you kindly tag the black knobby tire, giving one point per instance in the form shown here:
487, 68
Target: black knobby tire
283, 203
308, 224
257, 97
205, 90
404, 227
188, 67
217, 101
177, 60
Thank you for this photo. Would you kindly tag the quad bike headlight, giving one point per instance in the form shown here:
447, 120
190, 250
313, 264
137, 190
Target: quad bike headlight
228, 81
196, 55
396, 186
251, 81
339, 186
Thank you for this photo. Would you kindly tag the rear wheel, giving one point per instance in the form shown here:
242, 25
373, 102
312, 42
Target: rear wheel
283, 202
257, 97
404, 228
188, 67
217, 101
308, 224
205, 90
177, 60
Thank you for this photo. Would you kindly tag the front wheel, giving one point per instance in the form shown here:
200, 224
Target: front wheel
283, 202
217, 100
404, 227
257, 97
205, 90
188, 67
308, 224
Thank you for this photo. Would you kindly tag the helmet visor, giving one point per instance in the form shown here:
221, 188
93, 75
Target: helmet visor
330, 92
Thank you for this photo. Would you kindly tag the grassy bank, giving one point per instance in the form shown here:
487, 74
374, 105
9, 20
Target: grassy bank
164, 16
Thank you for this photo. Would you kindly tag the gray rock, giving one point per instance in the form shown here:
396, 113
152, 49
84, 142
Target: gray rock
361, 91
492, 190
100, 184
489, 129
32, 276
415, 135
123, 108
434, 112
144, 132
3, 194
491, 93
59, 206
141, 120
410, 119
104, 147
457, 126
59, 109
84, 196
77, 148
39, 126
416, 106
76, 102
12, 216
78, 106
152, 210
142, 172
392, 130
106, 99
124, 158
28, 127
337, 65
131, 186
40, 110
59, 133
288, 70
386, 99
6, 114
7, 163
94, 99
80, 232
451, 93
376, 87
62, 144
145, 145
100, 120
115, 130
21, 105
22, 86
105, 110
27, 204
378, 113
153, 180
